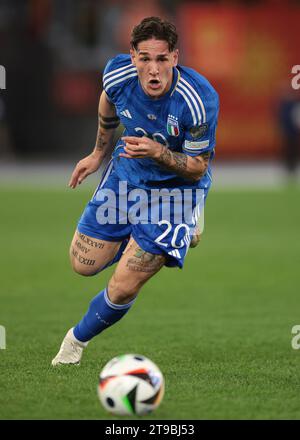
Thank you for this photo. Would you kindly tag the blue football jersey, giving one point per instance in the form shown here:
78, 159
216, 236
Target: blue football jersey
184, 119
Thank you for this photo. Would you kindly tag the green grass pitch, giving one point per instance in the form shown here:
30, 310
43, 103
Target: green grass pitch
220, 330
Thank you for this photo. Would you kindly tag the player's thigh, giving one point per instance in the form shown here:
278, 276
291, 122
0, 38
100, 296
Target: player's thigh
90, 255
133, 270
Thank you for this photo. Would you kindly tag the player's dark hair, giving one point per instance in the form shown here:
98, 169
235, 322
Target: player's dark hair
154, 27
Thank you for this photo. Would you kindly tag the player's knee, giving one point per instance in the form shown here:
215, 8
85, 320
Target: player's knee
121, 291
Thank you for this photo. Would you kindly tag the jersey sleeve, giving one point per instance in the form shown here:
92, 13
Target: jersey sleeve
117, 71
201, 123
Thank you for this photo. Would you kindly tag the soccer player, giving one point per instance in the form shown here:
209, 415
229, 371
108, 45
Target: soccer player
170, 115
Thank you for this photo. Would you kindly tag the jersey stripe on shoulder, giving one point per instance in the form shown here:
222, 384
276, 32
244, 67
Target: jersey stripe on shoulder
107, 87
196, 95
118, 75
192, 99
188, 101
106, 75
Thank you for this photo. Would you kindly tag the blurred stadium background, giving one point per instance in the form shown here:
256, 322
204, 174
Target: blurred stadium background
54, 52
232, 358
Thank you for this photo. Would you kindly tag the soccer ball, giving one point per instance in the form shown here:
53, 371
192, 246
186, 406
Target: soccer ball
130, 384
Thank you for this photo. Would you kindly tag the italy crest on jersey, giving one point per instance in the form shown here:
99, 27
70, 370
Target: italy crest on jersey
172, 126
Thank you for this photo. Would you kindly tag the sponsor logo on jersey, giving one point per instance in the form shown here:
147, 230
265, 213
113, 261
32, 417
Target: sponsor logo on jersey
198, 131
172, 126
126, 113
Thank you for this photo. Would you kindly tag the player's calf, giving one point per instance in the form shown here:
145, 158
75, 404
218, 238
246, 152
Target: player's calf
89, 255
121, 291
110, 305
134, 269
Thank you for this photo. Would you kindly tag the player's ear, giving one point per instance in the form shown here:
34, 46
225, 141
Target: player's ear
132, 54
176, 56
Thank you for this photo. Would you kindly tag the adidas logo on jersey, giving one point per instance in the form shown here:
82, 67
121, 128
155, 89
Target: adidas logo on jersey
126, 113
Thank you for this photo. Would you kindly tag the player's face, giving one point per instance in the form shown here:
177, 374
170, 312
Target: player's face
154, 63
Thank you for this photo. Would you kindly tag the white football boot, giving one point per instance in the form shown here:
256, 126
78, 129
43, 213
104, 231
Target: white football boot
70, 351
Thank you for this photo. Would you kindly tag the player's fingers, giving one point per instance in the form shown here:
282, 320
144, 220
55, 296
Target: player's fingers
73, 180
135, 151
131, 139
127, 156
132, 147
83, 175
76, 176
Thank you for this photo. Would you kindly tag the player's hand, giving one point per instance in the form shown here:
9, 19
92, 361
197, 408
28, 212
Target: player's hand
84, 168
140, 147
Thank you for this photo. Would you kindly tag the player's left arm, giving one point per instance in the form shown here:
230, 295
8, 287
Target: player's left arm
198, 145
192, 168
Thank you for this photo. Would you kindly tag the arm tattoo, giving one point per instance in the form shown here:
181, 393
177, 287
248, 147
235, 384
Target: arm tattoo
173, 161
109, 123
181, 161
100, 139
103, 135
178, 162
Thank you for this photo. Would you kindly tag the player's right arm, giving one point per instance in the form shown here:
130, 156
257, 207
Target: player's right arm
108, 122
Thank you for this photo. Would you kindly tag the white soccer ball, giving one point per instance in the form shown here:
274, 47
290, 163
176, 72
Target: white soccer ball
130, 384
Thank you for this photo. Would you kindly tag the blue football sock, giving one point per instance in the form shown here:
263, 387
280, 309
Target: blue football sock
101, 314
